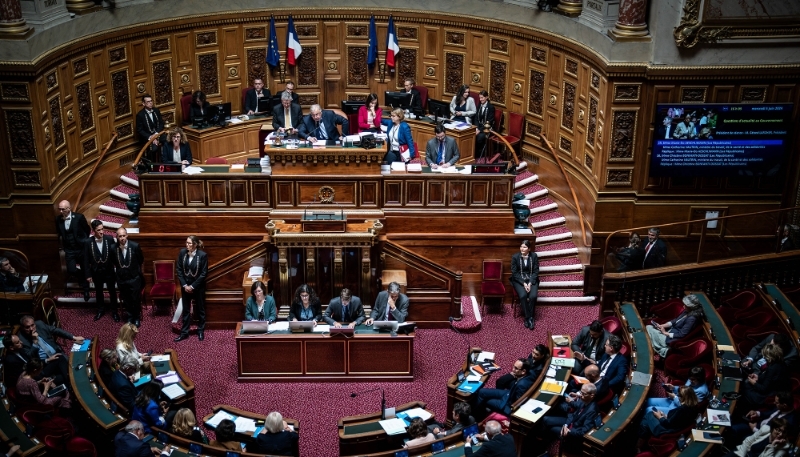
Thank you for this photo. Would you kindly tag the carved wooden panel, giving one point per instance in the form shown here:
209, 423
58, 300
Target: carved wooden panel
568, 107
19, 125
454, 72
354, 97
80, 66
89, 146
51, 80
124, 131
415, 193
752, 94
17, 92
309, 99
173, 193
588, 161
307, 67
369, 194
205, 38
623, 135
592, 125
436, 195
284, 193
498, 45
693, 94
392, 193
630, 93
238, 193
27, 178
357, 65
169, 117
538, 55
209, 73
162, 83
533, 129
407, 33
457, 193
120, 93
159, 45
595, 81
571, 67
497, 81
565, 144
56, 121
117, 55
306, 31
257, 64
255, 33
536, 93
357, 30
260, 193
454, 38
61, 163
217, 192
615, 177
406, 66
85, 113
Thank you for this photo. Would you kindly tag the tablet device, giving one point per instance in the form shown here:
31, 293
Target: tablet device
470, 431
437, 447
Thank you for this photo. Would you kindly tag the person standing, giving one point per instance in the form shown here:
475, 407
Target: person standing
655, 252
192, 268
525, 280
149, 124
129, 261
484, 116
98, 259
73, 231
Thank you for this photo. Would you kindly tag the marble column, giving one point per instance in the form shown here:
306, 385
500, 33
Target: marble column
631, 24
12, 24
82, 6
570, 8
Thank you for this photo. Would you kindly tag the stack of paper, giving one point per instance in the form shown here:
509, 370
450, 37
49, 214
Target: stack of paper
485, 356
398, 166
218, 417
418, 412
169, 377
244, 425
160, 358
414, 168
190, 170
255, 272
173, 391
393, 426
553, 386
526, 411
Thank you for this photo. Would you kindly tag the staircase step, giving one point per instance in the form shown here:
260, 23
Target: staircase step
121, 191
547, 219
525, 178
115, 207
560, 280
533, 192
111, 221
560, 264
130, 178
563, 296
522, 165
549, 235
542, 205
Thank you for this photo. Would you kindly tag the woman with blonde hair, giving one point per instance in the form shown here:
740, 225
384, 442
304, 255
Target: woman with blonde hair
176, 149
185, 424
126, 347
774, 377
109, 363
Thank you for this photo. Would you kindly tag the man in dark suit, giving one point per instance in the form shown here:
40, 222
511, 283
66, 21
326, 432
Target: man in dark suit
495, 444
346, 308
98, 260
588, 346
321, 125
655, 253
128, 442
73, 231
441, 151
148, 125
289, 87
256, 93
121, 386
288, 114
613, 365
129, 261
416, 99
592, 374
191, 269
665, 131
484, 115
390, 305
10, 279
755, 419
39, 338
577, 415
15, 360
500, 400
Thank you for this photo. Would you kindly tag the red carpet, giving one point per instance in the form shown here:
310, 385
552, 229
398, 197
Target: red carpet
318, 406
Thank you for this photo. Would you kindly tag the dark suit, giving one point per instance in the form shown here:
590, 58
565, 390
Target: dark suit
72, 243
129, 445
500, 400
130, 277
309, 128
681, 326
14, 364
195, 111
499, 446
58, 368
616, 371
11, 283
789, 359
416, 100
192, 273
656, 256
297, 308
123, 389
579, 417
583, 343
382, 304
167, 153
482, 117
146, 127
775, 378
99, 265
251, 100
677, 419
281, 443
279, 116
526, 273
451, 152
355, 311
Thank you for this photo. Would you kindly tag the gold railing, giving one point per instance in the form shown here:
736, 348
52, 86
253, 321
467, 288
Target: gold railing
576, 203
147, 146
94, 169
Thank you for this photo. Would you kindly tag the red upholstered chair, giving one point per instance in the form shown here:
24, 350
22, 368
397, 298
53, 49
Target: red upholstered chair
757, 323
626, 349
739, 300
186, 107
352, 119
667, 310
492, 281
515, 132
687, 355
164, 283
80, 447
683, 374
612, 325
497, 126
514, 300
217, 161
423, 95
244, 96
695, 333
474, 96
660, 447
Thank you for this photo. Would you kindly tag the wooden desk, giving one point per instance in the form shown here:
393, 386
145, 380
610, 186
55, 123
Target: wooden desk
454, 395
11, 428
285, 356
784, 308
363, 434
242, 413
231, 141
85, 390
14, 305
186, 400
324, 160
422, 131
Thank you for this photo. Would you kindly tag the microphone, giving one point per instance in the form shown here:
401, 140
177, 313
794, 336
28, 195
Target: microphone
383, 399
463, 337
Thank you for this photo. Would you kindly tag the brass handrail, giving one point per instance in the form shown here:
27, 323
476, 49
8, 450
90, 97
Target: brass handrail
571, 189
508, 145
94, 169
147, 145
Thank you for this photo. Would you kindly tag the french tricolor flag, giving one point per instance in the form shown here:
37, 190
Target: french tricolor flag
293, 48
392, 48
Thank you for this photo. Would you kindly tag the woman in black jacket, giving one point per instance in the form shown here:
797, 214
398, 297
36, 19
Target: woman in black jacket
766, 380
656, 423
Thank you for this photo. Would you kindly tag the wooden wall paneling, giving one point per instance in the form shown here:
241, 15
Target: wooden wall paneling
431, 42
782, 93
406, 66
259, 190
152, 193
196, 194
216, 192
415, 194
369, 196
455, 73
456, 193
392, 193
478, 48
284, 194
231, 43
161, 83
139, 57
184, 49
498, 81
478, 193
556, 64
500, 193
345, 192
174, 193
208, 70
98, 66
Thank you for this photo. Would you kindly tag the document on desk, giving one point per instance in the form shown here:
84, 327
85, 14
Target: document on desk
526, 411
160, 358
244, 425
446, 170
553, 386
321, 328
418, 412
169, 377
484, 356
393, 426
398, 166
718, 417
562, 362
551, 372
173, 391
190, 170
641, 379
279, 326
219, 417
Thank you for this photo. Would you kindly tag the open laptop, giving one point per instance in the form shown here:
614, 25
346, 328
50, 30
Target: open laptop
264, 106
255, 326
301, 326
390, 326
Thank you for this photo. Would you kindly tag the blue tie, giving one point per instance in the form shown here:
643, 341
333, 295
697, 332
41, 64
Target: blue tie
344, 313
441, 153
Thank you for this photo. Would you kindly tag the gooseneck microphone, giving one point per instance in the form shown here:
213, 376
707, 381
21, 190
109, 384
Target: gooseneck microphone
383, 399
463, 337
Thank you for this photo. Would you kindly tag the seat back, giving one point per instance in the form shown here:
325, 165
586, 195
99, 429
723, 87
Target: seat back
739, 300
352, 119
474, 96
217, 161
164, 271
515, 122
612, 325
695, 350
668, 310
186, 107
244, 96
498, 120
47, 312
492, 270
423, 96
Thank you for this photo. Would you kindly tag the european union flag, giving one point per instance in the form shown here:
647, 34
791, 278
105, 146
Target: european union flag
273, 55
372, 53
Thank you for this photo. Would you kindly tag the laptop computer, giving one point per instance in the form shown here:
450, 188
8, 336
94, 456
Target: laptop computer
385, 326
264, 106
255, 326
301, 326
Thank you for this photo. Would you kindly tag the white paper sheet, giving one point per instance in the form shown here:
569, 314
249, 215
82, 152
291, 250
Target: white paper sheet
418, 412
218, 417
160, 358
244, 425
484, 356
279, 326
393, 426
173, 391
719, 417
322, 328
525, 411
190, 170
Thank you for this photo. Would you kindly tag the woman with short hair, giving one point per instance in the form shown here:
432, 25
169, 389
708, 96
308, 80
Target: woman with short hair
276, 438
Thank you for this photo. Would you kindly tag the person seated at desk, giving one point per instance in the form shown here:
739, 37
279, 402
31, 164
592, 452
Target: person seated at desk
276, 438
390, 305
592, 374
588, 346
398, 135
120, 383
755, 358
495, 443
442, 150
656, 423
305, 306
260, 306
253, 96
28, 388
661, 336
462, 418
462, 107
537, 359
15, 360
574, 417
773, 377
287, 115
177, 149
369, 115
109, 363
289, 87
126, 346
697, 381
200, 106
39, 338
347, 308
755, 419
419, 433
226, 437
10, 279
185, 425
500, 400
128, 442
321, 124
415, 104
613, 365
149, 409
774, 439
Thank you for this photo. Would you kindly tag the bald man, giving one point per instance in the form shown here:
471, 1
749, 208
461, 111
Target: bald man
73, 231
128, 263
